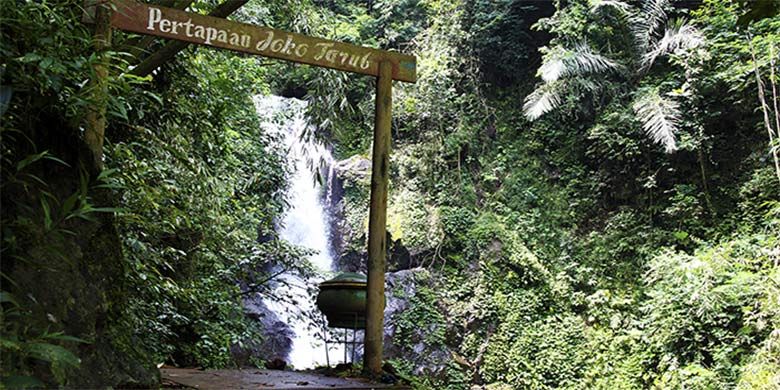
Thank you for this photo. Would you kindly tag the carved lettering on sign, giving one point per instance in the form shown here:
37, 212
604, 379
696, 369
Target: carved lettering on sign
206, 30
270, 43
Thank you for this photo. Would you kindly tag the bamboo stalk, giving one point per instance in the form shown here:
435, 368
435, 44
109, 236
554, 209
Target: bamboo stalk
95, 129
772, 81
765, 109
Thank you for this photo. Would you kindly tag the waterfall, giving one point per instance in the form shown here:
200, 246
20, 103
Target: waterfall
305, 224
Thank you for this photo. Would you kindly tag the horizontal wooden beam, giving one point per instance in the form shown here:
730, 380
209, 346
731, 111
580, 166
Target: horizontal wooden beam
218, 32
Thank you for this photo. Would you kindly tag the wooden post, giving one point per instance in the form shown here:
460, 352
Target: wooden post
377, 230
98, 86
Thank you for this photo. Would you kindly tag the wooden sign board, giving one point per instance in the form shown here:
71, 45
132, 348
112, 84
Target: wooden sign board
217, 32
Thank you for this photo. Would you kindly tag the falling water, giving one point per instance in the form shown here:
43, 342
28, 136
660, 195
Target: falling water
305, 225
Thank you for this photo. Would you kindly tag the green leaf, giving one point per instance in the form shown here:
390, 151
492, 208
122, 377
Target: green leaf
47, 221
64, 337
105, 174
9, 345
53, 354
8, 279
6, 297
21, 382
36, 178
52, 158
680, 235
30, 57
153, 96
67, 206
30, 159
106, 210
45, 63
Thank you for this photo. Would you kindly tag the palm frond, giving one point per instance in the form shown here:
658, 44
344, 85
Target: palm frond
562, 62
645, 24
659, 116
620, 6
545, 98
679, 35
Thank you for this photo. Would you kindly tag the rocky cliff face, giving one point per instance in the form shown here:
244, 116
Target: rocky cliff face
409, 303
348, 188
349, 221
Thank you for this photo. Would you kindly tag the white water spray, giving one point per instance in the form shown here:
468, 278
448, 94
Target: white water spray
305, 225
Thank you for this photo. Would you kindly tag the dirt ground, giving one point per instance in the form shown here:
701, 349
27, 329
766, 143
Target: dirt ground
261, 379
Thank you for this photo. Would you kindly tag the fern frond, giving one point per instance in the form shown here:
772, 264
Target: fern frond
545, 98
659, 116
561, 62
645, 24
678, 36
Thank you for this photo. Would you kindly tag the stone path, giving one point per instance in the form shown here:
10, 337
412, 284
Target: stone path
262, 379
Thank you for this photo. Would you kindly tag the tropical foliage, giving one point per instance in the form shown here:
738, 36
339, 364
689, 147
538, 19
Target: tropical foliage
588, 191
603, 225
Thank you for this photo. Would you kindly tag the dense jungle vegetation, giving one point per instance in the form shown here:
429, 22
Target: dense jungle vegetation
591, 189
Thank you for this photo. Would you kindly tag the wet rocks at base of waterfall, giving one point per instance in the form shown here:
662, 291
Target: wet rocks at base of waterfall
428, 357
277, 335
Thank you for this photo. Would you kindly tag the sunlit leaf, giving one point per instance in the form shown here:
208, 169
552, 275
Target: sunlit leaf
659, 116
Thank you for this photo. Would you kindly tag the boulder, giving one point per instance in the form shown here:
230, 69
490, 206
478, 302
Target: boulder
355, 168
276, 364
352, 261
398, 258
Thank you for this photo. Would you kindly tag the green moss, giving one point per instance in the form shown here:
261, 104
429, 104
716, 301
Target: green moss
422, 321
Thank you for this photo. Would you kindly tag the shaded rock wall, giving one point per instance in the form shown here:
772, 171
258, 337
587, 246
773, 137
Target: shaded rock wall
71, 277
350, 175
68, 273
422, 347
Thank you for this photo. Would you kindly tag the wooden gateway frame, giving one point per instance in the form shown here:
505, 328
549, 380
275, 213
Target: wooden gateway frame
218, 32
